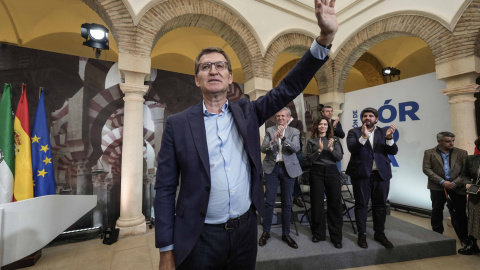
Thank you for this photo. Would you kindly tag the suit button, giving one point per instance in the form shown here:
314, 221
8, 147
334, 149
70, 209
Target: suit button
202, 214
207, 188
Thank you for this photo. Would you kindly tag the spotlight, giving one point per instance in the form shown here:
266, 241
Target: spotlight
96, 36
390, 71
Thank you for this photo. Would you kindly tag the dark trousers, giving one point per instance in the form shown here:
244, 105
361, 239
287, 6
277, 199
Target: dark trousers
279, 174
326, 180
218, 248
459, 205
376, 189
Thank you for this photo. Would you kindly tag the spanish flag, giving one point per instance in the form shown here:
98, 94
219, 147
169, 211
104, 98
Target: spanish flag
23, 184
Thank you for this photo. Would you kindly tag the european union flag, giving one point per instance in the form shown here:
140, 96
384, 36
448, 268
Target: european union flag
43, 176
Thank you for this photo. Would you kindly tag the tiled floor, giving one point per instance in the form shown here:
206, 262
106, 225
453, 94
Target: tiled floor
139, 253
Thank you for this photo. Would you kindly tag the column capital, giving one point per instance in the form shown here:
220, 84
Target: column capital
257, 87
134, 88
134, 68
459, 66
333, 99
461, 93
99, 179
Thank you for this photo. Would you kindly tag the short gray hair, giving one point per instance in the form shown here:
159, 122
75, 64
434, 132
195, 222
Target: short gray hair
289, 112
441, 135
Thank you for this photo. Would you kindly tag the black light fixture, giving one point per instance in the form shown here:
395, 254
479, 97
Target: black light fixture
391, 72
96, 36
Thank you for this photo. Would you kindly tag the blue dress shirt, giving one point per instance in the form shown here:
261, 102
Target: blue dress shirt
446, 165
229, 168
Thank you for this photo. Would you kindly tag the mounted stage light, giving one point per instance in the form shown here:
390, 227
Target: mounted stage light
391, 72
96, 36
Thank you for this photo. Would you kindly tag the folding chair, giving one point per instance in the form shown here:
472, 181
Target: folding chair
346, 181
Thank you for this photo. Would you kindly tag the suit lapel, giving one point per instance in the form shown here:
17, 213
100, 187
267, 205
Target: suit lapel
453, 159
239, 119
197, 127
287, 132
438, 156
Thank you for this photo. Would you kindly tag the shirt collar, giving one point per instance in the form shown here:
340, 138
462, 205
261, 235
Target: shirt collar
207, 113
441, 152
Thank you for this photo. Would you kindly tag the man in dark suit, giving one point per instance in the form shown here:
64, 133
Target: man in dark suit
443, 165
370, 170
280, 145
214, 146
327, 112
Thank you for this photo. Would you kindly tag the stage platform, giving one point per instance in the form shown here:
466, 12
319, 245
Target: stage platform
411, 242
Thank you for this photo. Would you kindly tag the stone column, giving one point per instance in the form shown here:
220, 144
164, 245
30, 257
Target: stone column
134, 69
255, 88
147, 193
84, 187
100, 211
84, 178
335, 100
158, 118
460, 76
462, 115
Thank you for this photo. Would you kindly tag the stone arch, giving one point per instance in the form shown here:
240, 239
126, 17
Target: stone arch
283, 71
115, 120
169, 15
295, 43
100, 109
438, 38
119, 21
371, 69
467, 31
115, 138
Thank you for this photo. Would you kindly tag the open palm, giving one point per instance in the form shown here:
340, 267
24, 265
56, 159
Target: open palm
326, 17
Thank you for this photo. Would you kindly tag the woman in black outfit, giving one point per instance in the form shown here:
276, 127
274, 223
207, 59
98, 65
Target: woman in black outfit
471, 176
323, 150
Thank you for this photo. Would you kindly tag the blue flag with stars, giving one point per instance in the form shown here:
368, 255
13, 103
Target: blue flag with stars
43, 176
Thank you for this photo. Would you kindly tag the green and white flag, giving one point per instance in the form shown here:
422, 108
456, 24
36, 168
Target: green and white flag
7, 146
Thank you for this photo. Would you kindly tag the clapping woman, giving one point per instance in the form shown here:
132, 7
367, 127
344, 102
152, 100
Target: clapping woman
471, 176
323, 151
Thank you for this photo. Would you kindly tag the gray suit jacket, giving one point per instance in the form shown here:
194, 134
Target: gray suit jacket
290, 146
433, 168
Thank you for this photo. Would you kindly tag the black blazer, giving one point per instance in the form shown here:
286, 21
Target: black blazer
184, 153
470, 175
361, 160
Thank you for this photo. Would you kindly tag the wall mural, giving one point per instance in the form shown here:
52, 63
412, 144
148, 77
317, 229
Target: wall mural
84, 107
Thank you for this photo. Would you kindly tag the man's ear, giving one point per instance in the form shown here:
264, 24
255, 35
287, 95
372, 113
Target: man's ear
196, 81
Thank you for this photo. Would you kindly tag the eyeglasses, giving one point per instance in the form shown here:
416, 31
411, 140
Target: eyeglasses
220, 65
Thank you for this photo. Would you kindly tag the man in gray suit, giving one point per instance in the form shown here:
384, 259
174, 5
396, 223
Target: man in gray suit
280, 145
443, 165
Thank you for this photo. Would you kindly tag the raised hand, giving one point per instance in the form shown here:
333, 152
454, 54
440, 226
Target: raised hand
320, 144
335, 122
330, 144
280, 131
364, 131
327, 20
391, 130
